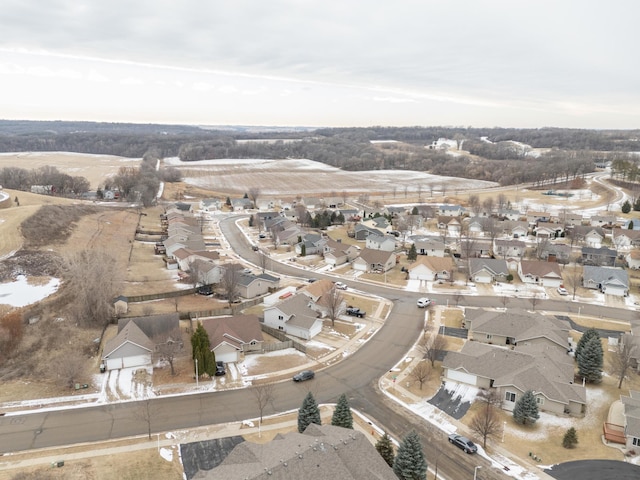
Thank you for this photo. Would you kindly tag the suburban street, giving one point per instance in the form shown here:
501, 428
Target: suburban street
357, 376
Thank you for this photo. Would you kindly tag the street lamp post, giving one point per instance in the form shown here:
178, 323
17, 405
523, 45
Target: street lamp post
504, 427
196, 373
475, 472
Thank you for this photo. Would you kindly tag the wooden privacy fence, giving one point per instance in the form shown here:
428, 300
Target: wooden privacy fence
614, 433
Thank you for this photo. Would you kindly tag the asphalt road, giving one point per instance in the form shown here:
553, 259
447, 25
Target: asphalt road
357, 377
595, 470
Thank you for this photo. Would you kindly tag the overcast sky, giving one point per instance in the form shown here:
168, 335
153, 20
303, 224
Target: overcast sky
476, 63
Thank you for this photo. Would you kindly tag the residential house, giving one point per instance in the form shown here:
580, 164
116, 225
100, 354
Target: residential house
548, 230
288, 236
633, 259
633, 338
475, 225
138, 338
631, 405
509, 214
251, 286
429, 246
267, 204
555, 252
381, 242
362, 231
545, 370
130, 348
508, 248
454, 227
210, 204
487, 270
179, 207
193, 242
331, 202
233, 336
451, 210
321, 452
534, 217
294, 316
260, 219
205, 272
313, 244
241, 204
604, 257
350, 214
570, 218
380, 224
589, 236
317, 293
609, 280
516, 327
547, 274
374, 261
470, 247
603, 221
514, 229
431, 268
338, 253
624, 238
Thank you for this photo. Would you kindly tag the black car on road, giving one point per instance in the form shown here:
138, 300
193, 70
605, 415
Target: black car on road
304, 375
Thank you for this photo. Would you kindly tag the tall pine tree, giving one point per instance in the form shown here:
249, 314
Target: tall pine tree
413, 253
410, 463
384, 446
590, 360
525, 410
201, 351
342, 414
308, 413
586, 336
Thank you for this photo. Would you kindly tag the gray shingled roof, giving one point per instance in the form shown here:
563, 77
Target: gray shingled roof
493, 265
130, 333
606, 275
320, 453
297, 307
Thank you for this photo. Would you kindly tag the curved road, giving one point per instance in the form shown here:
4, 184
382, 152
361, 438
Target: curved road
357, 377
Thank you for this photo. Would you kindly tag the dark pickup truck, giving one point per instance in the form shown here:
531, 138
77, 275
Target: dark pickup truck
356, 312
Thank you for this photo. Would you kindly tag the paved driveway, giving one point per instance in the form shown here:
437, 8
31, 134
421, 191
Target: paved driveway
595, 470
454, 403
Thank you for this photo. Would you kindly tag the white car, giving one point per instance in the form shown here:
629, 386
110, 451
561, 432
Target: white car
562, 290
424, 302
340, 286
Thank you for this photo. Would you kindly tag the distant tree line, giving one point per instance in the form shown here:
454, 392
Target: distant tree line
498, 154
17, 178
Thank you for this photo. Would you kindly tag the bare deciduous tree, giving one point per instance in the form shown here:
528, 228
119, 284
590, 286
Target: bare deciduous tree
333, 301
254, 194
169, 346
144, 413
93, 280
434, 347
229, 283
421, 373
262, 260
264, 397
623, 359
534, 300
69, 367
486, 422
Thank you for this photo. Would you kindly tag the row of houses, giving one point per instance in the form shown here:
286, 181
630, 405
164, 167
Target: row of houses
516, 351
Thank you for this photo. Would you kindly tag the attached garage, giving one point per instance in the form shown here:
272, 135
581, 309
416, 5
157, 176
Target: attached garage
461, 377
130, 348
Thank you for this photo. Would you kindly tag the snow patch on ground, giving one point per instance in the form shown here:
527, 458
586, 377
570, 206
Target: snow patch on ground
20, 293
167, 454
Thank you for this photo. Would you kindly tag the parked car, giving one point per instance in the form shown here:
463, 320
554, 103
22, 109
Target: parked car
255, 248
262, 235
205, 290
341, 286
220, 369
463, 442
562, 290
356, 312
304, 375
424, 302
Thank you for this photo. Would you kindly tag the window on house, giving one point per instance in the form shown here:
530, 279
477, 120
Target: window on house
280, 317
489, 336
636, 442
510, 397
540, 400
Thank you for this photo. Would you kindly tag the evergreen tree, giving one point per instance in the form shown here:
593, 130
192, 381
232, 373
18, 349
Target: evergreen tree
413, 253
410, 463
201, 351
630, 227
414, 211
570, 438
228, 202
526, 409
626, 207
586, 336
303, 250
342, 414
385, 449
590, 360
308, 413
636, 205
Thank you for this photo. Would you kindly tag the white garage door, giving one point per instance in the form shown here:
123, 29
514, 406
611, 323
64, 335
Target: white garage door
461, 377
125, 362
227, 357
